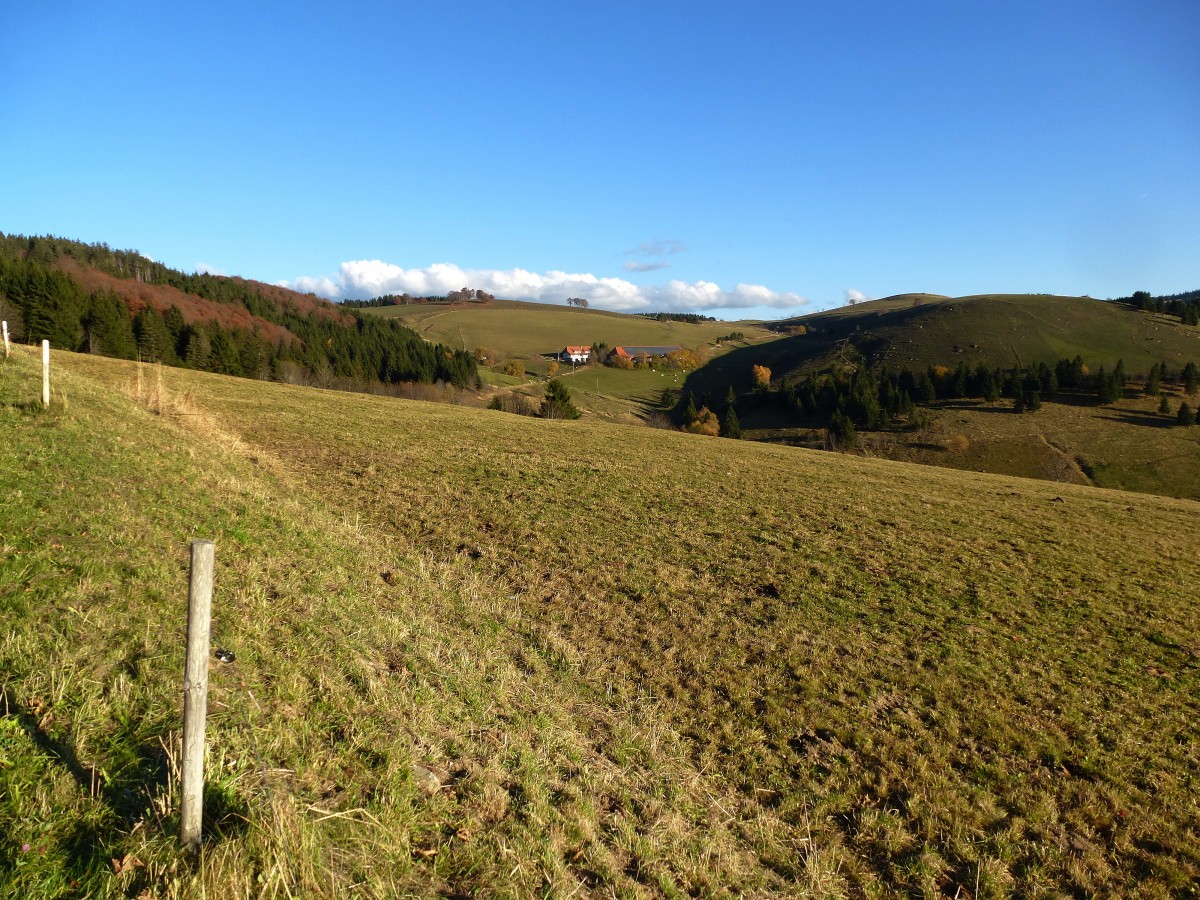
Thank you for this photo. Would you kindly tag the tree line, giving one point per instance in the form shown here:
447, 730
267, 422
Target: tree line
41, 302
466, 295
690, 318
1185, 306
847, 399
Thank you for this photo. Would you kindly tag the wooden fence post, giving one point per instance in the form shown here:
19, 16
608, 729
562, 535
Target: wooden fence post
195, 692
46, 374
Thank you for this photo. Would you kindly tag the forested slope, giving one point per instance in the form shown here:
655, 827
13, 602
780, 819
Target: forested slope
93, 299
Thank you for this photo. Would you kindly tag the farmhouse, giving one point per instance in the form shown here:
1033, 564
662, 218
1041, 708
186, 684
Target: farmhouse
575, 354
635, 352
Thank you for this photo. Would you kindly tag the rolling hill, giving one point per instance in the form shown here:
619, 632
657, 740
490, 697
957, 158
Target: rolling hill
478, 654
530, 330
1000, 330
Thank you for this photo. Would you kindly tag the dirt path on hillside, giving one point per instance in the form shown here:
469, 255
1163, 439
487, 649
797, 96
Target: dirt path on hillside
1065, 460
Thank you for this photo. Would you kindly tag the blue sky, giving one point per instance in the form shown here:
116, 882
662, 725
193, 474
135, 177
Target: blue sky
756, 159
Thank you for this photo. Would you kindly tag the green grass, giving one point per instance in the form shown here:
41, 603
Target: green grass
530, 330
1002, 330
648, 664
1127, 445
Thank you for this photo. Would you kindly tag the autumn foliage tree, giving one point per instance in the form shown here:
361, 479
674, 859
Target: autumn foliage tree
705, 423
762, 377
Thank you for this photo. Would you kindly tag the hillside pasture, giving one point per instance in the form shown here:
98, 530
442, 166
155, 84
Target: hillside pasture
1128, 445
529, 330
648, 663
997, 330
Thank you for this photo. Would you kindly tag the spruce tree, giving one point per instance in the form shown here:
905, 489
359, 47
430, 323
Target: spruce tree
195, 347
153, 340
109, 330
1185, 416
1190, 378
842, 433
557, 402
689, 409
1153, 381
730, 427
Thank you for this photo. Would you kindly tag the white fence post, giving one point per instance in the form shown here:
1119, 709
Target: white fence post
7, 349
46, 374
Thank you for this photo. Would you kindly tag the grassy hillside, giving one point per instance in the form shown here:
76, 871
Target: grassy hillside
1128, 445
528, 330
917, 331
479, 653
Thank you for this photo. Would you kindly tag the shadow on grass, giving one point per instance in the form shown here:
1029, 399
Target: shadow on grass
25, 406
136, 773
1146, 420
950, 405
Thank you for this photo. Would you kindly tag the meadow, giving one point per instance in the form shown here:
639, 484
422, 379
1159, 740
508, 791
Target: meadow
529, 330
997, 330
482, 654
1128, 445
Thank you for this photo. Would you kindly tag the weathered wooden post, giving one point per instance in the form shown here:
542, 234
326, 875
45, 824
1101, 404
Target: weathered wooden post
195, 691
46, 374
7, 349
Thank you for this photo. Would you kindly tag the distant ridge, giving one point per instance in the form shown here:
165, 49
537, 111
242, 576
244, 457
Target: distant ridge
917, 330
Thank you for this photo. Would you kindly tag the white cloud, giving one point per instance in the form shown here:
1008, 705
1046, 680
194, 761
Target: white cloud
658, 247
853, 296
365, 278
634, 266
206, 269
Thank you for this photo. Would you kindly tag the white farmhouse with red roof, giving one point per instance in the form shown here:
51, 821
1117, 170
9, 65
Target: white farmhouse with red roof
575, 354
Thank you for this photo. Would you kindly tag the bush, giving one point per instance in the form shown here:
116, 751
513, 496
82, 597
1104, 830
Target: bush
515, 368
705, 423
517, 404
960, 443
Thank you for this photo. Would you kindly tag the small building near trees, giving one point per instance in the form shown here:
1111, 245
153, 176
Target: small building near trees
575, 354
627, 352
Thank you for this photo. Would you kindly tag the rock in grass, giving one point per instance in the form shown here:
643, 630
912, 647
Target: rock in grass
427, 780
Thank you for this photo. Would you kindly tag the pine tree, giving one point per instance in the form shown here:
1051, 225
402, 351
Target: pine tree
1190, 378
1164, 405
195, 347
689, 409
108, 328
173, 319
1185, 416
153, 340
841, 432
730, 427
1153, 381
1108, 388
557, 402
